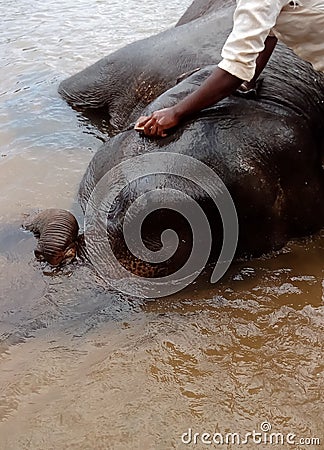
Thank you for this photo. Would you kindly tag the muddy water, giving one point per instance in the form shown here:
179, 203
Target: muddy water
85, 368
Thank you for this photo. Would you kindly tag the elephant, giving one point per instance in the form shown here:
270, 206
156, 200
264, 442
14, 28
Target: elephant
267, 151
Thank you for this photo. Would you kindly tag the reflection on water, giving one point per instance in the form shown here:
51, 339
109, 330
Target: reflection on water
82, 367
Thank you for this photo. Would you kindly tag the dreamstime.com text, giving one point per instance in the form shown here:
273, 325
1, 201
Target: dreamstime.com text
264, 436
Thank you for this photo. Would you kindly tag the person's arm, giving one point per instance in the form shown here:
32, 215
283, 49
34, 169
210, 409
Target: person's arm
218, 85
252, 23
262, 60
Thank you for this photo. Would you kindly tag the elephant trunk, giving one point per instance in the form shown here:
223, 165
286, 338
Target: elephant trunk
57, 233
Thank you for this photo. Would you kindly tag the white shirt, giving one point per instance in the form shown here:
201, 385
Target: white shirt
299, 24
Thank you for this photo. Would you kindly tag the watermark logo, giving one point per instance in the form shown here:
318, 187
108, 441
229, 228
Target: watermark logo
265, 427
264, 436
119, 179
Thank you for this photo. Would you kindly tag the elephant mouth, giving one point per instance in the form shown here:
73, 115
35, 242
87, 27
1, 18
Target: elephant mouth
60, 258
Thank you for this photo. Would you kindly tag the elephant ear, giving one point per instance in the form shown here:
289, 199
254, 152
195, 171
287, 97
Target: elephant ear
189, 84
200, 8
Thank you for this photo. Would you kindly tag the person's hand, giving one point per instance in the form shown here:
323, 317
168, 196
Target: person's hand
158, 122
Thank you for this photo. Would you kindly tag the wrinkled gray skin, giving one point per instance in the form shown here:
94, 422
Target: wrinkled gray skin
267, 151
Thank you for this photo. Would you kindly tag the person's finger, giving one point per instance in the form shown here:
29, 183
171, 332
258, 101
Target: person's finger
161, 121
148, 126
160, 130
142, 121
154, 129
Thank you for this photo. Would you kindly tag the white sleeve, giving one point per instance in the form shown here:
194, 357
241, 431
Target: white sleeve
253, 20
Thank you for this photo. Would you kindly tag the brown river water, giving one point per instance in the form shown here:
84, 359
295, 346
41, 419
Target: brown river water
84, 367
